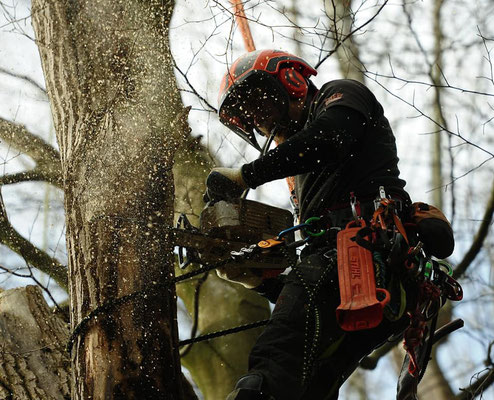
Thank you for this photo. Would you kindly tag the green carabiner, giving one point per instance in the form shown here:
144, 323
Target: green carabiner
447, 266
428, 269
314, 234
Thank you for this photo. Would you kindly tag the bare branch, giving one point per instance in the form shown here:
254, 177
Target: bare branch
32, 175
373, 77
428, 84
349, 35
20, 138
36, 280
27, 79
371, 361
342, 18
33, 256
481, 383
184, 75
488, 57
478, 240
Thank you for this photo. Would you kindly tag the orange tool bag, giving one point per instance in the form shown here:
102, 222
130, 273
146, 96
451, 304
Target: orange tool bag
359, 308
433, 229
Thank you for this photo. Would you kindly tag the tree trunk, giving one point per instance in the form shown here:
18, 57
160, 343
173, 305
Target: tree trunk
33, 360
341, 21
436, 77
114, 103
435, 385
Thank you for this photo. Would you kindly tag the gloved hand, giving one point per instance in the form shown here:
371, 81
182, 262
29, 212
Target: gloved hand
249, 278
224, 184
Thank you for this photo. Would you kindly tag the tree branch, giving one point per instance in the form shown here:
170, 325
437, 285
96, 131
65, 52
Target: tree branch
33, 175
477, 387
19, 137
373, 77
478, 240
350, 34
371, 361
27, 79
34, 256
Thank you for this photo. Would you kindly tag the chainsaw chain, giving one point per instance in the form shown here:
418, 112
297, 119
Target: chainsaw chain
244, 253
224, 332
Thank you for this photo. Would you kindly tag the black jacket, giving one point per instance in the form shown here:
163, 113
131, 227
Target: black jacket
345, 146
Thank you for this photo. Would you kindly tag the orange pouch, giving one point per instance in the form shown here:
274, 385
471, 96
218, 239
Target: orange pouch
433, 229
359, 308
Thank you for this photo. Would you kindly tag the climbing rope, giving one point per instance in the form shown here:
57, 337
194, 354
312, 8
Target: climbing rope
224, 332
243, 24
155, 290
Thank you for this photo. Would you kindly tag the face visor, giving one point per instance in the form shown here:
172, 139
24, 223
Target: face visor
256, 104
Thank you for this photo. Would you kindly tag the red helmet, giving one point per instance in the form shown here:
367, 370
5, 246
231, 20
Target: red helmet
261, 82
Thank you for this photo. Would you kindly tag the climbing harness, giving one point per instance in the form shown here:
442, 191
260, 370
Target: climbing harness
386, 235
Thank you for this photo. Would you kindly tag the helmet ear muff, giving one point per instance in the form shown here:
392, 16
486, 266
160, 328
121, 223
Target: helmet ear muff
294, 82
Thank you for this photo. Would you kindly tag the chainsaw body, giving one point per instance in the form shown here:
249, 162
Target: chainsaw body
233, 226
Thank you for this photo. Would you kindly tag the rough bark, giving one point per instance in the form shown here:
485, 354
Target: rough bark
33, 360
215, 365
114, 102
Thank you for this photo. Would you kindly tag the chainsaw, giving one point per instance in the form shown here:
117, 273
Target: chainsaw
229, 228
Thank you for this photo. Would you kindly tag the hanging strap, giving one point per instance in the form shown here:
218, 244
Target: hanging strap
243, 24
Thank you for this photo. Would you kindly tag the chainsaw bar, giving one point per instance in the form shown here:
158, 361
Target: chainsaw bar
241, 230
210, 249
203, 249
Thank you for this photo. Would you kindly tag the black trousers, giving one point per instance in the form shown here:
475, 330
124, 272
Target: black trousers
303, 353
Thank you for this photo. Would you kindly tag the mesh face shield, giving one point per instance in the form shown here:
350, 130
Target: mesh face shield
258, 101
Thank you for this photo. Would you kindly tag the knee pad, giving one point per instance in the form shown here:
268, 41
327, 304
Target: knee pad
248, 387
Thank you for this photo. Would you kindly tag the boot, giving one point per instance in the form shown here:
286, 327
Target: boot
248, 387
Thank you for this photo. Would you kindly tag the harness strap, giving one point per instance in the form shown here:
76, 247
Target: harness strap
385, 211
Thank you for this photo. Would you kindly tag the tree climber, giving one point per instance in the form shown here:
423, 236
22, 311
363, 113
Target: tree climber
338, 144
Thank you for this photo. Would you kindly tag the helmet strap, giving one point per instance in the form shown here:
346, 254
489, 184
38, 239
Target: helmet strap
267, 144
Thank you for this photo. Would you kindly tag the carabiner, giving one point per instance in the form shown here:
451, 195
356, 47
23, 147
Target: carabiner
310, 233
355, 205
428, 270
446, 267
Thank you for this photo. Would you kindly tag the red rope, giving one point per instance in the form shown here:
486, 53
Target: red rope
414, 334
243, 24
